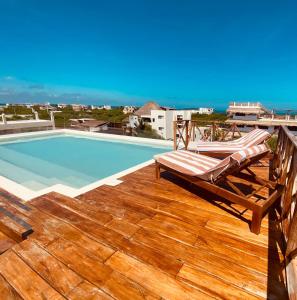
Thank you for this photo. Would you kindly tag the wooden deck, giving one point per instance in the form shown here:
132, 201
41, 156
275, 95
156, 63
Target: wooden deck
142, 239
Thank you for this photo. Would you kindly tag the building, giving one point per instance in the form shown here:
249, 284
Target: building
249, 111
249, 115
162, 120
205, 111
106, 107
144, 112
88, 124
129, 109
62, 105
79, 107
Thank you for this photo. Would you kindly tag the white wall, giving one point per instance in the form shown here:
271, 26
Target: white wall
162, 120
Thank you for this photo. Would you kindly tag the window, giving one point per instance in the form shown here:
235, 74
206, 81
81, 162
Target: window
179, 117
160, 128
160, 117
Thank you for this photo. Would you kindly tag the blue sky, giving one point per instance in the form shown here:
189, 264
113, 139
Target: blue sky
179, 53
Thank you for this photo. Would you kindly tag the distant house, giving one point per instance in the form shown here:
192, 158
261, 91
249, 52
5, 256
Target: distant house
88, 124
144, 112
46, 106
129, 109
106, 107
248, 111
248, 115
205, 111
79, 107
62, 105
161, 118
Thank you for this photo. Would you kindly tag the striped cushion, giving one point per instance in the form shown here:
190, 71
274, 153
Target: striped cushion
242, 155
187, 162
204, 167
255, 137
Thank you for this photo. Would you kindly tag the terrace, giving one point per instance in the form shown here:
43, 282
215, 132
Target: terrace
151, 239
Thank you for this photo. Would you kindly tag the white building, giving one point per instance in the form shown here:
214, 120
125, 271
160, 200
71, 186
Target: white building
106, 107
79, 107
162, 120
62, 105
129, 109
133, 121
205, 111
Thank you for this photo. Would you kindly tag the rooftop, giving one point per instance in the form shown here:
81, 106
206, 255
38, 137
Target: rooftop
146, 109
142, 239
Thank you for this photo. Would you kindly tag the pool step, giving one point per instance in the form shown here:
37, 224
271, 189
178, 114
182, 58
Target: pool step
18, 175
33, 181
40, 167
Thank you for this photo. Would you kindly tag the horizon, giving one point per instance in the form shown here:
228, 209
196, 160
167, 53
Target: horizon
192, 54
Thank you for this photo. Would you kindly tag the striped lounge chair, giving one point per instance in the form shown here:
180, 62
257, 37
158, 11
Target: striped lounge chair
254, 137
212, 174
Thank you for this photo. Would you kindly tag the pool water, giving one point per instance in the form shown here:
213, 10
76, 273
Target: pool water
70, 160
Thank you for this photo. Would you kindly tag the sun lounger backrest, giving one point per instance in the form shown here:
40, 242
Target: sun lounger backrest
236, 159
250, 152
254, 137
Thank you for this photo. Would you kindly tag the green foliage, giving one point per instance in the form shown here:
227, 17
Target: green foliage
272, 142
17, 110
207, 119
113, 115
146, 131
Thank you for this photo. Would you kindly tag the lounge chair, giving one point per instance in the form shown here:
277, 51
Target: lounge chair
223, 149
212, 174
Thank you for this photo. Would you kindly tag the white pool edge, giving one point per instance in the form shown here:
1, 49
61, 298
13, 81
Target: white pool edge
27, 194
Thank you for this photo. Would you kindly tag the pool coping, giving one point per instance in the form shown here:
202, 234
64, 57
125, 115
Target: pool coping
27, 194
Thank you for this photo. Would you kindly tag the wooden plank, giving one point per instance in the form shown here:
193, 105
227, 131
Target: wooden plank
236, 274
14, 200
213, 285
169, 229
13, 228
160, 283
110, 237
5, 242
122, 201
183, 193
206, 241
24, 280
67, 232
47, 228
80, 207
103, 234
238, 229
87, 291
49, 268
93, 270
123, 227
7, 292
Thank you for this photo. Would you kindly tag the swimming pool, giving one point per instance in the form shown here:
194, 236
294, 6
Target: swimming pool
71, 162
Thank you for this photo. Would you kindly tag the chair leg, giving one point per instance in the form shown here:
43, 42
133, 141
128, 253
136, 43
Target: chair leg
158, 170
256, 221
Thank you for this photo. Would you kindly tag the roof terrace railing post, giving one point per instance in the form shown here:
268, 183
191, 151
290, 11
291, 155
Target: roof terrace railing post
187, 133
174, 135
284, 171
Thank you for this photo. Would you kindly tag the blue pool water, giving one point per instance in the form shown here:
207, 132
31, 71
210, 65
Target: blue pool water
70, 160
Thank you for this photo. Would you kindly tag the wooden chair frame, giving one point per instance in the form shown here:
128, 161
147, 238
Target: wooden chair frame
259, 210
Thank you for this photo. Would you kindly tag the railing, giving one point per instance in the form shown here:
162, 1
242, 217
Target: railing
185, 131
284, 170
246, 104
